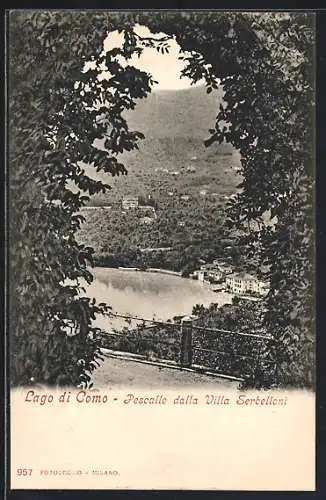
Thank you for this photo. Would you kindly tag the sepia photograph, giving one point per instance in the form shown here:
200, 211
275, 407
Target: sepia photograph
161, 208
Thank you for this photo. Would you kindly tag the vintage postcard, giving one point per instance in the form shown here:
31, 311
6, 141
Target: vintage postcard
160, 187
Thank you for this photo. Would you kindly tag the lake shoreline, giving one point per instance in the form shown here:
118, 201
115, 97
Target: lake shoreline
147, 270
149, 295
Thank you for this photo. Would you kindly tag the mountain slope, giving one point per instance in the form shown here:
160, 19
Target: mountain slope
175, 124
187, 113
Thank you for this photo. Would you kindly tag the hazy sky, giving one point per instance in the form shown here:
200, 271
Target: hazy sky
166, 69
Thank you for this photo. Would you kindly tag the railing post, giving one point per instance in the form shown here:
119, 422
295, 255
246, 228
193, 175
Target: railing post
186, 342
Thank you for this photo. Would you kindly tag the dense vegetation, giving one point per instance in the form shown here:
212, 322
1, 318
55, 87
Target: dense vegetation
236, 354
265, 65
57, 110
120, 239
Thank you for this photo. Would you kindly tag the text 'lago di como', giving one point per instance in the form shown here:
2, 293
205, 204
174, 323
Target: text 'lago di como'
84, 397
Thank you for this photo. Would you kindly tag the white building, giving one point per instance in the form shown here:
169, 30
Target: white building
210, 272
223, 267
242, 283
130, 202
215, 275
200, 275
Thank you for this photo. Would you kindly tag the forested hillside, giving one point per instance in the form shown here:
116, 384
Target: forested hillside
188, 183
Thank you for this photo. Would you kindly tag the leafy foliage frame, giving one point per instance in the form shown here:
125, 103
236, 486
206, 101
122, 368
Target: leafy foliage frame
57, 108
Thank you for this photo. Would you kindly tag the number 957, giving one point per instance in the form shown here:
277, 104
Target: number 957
24, 472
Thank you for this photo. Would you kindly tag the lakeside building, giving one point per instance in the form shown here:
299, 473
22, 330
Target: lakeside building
199, 275
216, 270
213, 272
223, 266
214, 275
241, 283
222, 274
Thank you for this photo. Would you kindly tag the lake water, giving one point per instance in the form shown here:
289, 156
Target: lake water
148, 295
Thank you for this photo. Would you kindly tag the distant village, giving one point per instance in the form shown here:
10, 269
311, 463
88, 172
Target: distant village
221, 276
